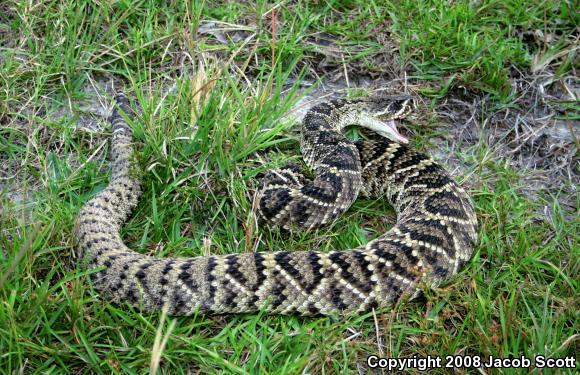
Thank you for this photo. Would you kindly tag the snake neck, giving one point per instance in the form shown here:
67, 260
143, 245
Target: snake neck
288, 199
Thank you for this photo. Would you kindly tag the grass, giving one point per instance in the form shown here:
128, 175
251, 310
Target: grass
210, 122
472, 44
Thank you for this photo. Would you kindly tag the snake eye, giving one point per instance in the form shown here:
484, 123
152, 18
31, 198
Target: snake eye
404, 107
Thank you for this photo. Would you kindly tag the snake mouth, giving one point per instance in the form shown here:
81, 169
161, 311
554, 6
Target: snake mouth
392, 132
387, 129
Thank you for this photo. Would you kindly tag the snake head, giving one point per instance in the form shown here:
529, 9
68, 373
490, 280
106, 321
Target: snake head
389, 108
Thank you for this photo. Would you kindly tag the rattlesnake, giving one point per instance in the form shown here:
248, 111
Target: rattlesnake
434, 234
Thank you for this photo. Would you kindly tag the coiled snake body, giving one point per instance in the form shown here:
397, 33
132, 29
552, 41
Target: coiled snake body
434, 234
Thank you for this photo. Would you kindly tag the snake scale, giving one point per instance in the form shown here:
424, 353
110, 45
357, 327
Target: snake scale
434, 234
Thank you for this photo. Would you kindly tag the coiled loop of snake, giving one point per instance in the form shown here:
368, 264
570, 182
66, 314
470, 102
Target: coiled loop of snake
434, 234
